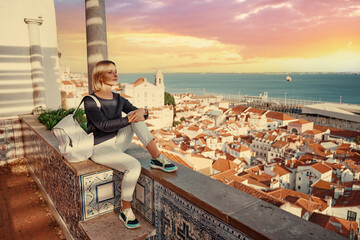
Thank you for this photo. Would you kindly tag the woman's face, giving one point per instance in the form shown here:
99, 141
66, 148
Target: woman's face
110, 76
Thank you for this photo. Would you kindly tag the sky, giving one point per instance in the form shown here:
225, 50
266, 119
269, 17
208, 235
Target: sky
218, 35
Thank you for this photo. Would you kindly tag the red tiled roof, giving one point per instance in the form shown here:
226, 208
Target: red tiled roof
332, 223
318, 149
175, 158
258, 111
279, 116
279, 144
193, 128
224, 165
238, 109
322, 168
312, 132
207, 149
300, 122
349, 199
282, 193
257, 193
280, 170
226, 176
138, 82
338, 132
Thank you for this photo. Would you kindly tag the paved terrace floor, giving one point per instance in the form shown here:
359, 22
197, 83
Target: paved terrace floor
23, 212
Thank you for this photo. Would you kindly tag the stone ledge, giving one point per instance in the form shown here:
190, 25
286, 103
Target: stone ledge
109, 227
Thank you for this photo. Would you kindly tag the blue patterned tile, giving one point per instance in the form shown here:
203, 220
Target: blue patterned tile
145, 205
177, 218
91, 206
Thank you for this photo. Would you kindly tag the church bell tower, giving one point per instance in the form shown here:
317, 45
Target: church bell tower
159, 78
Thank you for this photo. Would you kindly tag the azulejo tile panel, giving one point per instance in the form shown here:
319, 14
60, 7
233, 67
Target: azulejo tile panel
177, 218
143, 199
95, 201
11, 145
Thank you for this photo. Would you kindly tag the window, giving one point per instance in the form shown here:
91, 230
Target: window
351, 216
299, 178
299, 187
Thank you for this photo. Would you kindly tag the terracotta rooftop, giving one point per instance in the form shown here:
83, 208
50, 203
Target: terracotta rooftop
339, 132
280, 170
238, 109
138, 82
318, 149
226, 176
258, 111
282, 193
193, 128
312, 132
224, 165
257, 193
349, 199
321, 167
338, 225
279, 116
176, 158
279, 144
300, 122
321, 184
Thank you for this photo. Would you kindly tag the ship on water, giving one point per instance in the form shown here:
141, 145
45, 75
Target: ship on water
288, 78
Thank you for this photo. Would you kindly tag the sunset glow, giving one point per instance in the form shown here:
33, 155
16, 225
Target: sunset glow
219, 35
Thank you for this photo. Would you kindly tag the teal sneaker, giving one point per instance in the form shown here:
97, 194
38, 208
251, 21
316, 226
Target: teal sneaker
162, 163
128, 218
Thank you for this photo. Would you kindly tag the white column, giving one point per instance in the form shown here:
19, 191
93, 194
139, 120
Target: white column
36, 60
95, 34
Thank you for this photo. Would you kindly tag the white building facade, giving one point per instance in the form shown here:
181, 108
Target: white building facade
29, 76
146, 94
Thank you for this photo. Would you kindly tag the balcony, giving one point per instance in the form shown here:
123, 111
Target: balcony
181, 205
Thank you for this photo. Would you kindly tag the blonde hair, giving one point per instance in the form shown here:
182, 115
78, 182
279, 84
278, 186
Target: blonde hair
98, 71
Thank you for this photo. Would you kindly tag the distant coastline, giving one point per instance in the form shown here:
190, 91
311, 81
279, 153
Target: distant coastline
328, 87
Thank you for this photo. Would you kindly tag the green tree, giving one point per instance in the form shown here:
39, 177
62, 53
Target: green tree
182, 119
357, 140
169, 100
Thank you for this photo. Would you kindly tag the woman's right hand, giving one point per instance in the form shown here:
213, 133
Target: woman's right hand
136, 116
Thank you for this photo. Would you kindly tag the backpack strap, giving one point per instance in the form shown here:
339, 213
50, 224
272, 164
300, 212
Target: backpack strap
82, 100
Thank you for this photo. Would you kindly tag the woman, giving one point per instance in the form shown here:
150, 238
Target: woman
113, 134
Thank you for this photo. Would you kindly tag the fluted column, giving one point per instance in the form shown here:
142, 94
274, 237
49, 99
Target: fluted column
95, 34
36, 60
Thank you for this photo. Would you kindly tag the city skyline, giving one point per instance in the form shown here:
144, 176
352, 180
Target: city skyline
218, 36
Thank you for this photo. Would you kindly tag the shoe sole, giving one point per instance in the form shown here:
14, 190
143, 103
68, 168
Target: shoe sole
127, 226
163, 169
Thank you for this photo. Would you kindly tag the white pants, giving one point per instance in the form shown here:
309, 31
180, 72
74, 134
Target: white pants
111, 153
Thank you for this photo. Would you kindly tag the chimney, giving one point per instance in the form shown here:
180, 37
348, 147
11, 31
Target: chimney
329, 200
338, 192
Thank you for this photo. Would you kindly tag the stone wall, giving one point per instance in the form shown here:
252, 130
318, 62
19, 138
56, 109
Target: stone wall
11, 144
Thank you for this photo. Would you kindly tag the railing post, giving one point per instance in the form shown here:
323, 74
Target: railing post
36, 60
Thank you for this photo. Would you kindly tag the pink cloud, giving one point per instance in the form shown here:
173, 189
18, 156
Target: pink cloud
264, 28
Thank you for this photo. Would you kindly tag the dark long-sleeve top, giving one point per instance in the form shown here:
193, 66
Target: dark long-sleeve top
104, 122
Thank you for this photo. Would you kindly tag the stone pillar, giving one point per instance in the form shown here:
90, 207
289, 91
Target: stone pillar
36, 60
95, 34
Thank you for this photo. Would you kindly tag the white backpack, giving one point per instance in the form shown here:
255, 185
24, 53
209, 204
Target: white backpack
74, 143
